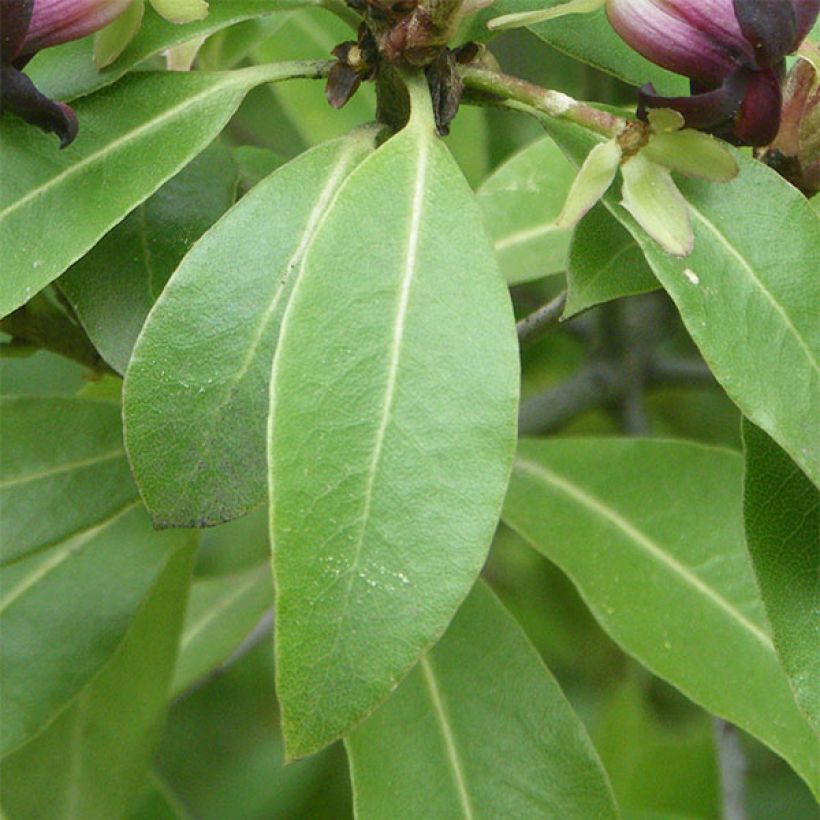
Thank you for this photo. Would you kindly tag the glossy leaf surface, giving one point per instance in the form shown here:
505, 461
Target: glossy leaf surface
222, 612
752, 273
196, 394
115, 284
479, 729
139, 133
391, 434
782, 515
651, 533
92, 760
95, 553
520, 201
605, 263
587, 37
68, 71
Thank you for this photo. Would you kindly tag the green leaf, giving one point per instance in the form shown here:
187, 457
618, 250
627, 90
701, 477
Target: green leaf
651, 533
311, 33
751, 275
196, 413
41, 466
393, 395
74, 574
587, 37
782, 513
68, 71
605, 263
159, 802
112, 40
479, 728
133, 138
91, 761
520, 201
222, 612
255, 164
181, 11
114, 285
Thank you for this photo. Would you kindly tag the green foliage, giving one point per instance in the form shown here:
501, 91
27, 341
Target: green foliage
294, 326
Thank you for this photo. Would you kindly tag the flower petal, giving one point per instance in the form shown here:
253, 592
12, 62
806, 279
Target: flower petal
15, 16
770, 26
657, 30
21, 97
758, 120
700, 111
58, 21
806, 12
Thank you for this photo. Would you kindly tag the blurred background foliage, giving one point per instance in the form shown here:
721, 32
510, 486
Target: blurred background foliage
221, 755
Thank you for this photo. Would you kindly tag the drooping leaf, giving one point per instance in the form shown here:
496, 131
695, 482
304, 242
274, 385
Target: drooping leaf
222, 612
80, 555
587, 37
651, 533
605, 263
114, 285
68, 71
521, 200
91, 761
393, 398
196, 392
782, 514
134, 137
479, 729
751, 276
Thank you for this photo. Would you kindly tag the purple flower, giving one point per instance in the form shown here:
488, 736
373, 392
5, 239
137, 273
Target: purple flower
732, 50
26, 26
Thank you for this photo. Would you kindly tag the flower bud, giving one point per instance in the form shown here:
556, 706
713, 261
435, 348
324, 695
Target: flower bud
732, 50
58, 21
26, 26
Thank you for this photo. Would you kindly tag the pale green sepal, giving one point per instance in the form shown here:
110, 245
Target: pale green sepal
665, 119
112, 40
181, 11
181, 57
693, 154
530, 18
652, 198
592, 182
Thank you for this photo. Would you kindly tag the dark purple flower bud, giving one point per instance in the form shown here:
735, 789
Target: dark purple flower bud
732, 50
26, 26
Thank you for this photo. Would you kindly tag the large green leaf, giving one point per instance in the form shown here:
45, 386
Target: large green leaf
587, 37
196, 393
91, 761
479, 729
782, 513
222, 612
393, 399
55, 205
747, 293
40, 466
68, 71
605, 263
114, 285
651, 532
521, 201
74, 578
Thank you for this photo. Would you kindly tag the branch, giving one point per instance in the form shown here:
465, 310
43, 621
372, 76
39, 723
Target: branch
686, 372
599, 383
732, 769
541, 321
552, 103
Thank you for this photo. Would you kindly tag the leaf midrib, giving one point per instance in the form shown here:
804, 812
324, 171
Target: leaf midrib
646, 544
80, 464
